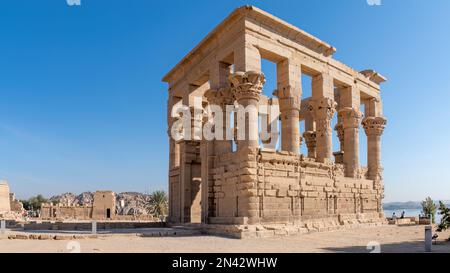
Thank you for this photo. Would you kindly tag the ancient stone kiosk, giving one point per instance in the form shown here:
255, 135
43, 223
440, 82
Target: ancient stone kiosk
241, 183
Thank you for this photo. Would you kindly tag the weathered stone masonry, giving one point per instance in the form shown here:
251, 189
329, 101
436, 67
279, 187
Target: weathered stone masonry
213, 184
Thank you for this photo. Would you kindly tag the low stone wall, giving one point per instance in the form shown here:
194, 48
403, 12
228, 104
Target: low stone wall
243, 230
134, 218
406, 221
66, 212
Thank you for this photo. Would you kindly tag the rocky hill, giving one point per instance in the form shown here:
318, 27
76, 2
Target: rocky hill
127, 203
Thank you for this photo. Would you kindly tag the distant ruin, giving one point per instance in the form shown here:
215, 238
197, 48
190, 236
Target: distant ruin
103, 207
10, 208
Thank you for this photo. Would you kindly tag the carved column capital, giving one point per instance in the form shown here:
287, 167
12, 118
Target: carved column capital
323, 108
339, 156
247, 85
288, 99
350, 117
221, 97
310, 139
374, 125
339, 128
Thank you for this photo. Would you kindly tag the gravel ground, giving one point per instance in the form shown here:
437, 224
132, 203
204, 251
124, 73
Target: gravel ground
389, 238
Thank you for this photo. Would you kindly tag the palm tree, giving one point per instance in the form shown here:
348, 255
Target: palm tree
159, 203
156, 203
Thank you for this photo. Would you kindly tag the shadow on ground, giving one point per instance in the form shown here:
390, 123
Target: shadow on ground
395, 247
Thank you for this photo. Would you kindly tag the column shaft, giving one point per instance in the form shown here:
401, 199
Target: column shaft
350, 119
324, 107
374, 127
323, 113
289, 96
247, 87
290, 131
374, 155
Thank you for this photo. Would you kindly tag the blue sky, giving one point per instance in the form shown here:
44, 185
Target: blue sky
83, 105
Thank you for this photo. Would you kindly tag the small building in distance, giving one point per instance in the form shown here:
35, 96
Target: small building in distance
103, 208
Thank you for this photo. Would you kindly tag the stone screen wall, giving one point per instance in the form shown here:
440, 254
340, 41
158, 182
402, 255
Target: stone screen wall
281, 188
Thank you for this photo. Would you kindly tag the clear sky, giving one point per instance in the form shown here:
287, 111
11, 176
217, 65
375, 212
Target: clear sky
83, 106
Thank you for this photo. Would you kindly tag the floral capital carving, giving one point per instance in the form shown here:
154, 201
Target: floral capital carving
247, 85
350, 117
323, 109
310, 139
374, 125
221, 97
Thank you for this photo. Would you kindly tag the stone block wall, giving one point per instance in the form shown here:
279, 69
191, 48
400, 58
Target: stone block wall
174, 194
66, 212
270, 187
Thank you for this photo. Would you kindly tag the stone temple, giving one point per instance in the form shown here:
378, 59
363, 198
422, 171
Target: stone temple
242, 187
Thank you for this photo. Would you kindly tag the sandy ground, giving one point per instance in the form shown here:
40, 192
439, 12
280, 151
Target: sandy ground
389, 238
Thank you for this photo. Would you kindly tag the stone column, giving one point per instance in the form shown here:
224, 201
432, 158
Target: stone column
174, 148
220, 95
310, 131
247, 88
289, 94
323, 108
290, 131
374, 127
339, 128
174, 162
207, 150
350, 119
174, 153
272, 117
189, 149
339, 156
222, 98
311, 143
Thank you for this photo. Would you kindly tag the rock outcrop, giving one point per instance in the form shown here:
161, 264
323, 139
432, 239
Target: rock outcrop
127, 203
